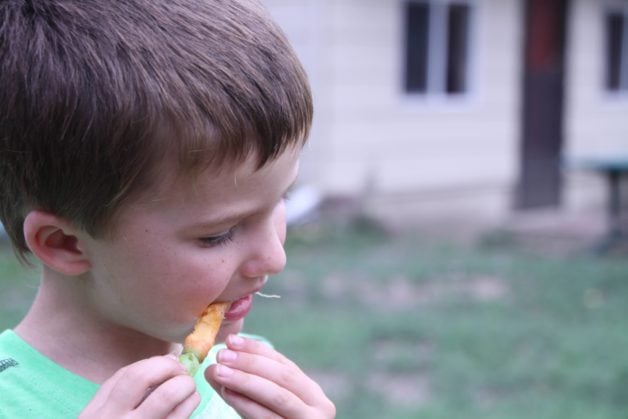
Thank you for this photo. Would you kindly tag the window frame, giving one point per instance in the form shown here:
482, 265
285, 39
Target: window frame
622, 89
438, 50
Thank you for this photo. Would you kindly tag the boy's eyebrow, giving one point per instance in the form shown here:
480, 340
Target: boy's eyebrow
231, 217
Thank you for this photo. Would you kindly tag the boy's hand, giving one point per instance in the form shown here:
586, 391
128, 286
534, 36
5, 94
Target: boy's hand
157, 387
259, 382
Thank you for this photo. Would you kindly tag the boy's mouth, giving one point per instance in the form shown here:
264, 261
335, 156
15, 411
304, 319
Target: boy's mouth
239, 308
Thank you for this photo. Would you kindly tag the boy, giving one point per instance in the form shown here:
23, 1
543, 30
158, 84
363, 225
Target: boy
145, 147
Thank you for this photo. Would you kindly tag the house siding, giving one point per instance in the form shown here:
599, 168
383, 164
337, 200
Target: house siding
368, 135
596, 122
384, 139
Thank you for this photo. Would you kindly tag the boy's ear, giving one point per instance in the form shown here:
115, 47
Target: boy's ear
55, 242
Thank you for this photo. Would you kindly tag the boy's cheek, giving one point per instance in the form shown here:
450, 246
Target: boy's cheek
279, 219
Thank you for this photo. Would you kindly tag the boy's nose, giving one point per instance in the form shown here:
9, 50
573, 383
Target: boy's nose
269, 256
274, 259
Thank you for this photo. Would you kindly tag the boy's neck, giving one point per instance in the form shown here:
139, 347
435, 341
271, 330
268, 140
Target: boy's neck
88, 346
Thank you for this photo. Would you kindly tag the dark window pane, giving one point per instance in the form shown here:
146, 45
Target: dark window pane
614, 28
416, 46
457, 48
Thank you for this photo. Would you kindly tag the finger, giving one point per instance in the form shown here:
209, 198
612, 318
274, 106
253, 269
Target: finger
103, 393
246, 407
137, 379
167, 397
185, 409
285, 374
242, 344
250, 407
259, 390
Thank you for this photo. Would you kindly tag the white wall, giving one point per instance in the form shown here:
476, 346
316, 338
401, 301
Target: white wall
596, 121
368, 132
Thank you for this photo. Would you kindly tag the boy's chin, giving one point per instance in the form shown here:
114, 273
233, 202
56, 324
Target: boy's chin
229, 328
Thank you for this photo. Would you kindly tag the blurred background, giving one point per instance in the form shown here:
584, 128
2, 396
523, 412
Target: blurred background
457, 243
468, 254
450, 111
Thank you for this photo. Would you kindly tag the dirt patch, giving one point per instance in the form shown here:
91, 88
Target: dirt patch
386, 351
486, 288
401, 389
401, 292
398, 293
481, 288
337, 386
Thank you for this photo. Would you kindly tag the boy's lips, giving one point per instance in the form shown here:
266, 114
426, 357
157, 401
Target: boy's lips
239, 308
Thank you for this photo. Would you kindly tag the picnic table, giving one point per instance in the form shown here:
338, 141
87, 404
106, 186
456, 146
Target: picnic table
613, 169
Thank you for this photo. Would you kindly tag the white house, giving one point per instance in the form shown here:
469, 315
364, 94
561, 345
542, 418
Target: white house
421, 100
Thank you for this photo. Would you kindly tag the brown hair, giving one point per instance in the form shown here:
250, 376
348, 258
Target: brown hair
94, 94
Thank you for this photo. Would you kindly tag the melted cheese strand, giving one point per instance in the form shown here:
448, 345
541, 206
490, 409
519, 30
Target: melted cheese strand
267, 295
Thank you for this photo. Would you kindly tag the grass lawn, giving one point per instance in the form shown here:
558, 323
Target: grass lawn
393, 327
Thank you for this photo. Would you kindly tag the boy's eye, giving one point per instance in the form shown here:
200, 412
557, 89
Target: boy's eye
217, 240
286, 196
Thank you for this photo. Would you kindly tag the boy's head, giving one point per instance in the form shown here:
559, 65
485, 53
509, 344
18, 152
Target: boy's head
97, 97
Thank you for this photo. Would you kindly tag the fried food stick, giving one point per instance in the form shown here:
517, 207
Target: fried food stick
198, 343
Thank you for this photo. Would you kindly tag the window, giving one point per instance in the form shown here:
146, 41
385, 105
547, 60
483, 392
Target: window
437, 46
617, 51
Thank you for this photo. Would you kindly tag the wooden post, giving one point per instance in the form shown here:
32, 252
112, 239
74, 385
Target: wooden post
545, 27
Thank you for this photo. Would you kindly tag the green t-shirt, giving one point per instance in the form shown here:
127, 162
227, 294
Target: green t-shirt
33, 386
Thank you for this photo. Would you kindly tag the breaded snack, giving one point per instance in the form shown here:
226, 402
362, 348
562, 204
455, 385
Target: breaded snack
198, 343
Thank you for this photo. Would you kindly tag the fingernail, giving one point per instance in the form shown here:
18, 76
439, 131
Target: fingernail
236, 341
223, 371
225, 393
227, 356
